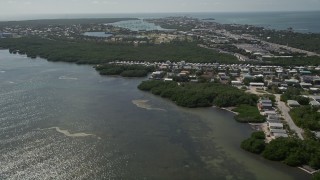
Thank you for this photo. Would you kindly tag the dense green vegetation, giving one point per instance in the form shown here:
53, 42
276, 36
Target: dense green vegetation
199, 94
124, 70
100, 52
294, 94
308, 42
255, 143
248, 113
306, 117
316, 176
64, 21
294, 152
291, 151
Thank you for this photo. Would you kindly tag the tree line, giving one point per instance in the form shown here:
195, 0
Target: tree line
291, 151
124, 70
88, 52
199, 94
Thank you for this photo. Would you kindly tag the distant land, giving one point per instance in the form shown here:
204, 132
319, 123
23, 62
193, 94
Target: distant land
64, 21
300, 21
191, 40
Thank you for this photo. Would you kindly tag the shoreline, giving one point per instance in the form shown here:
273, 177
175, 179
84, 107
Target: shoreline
229, 109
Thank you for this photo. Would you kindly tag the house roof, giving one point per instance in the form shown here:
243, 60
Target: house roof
280, 125
314, 103
278, 131
305, 84
256, 83
293, 103
291, 80
280, 135
273, 121
270, 112
265, 101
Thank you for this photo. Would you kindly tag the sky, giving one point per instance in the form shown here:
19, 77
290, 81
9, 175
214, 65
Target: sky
18, 7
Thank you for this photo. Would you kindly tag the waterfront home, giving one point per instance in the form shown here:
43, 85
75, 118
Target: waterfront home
278, 131
158, 75
275, 125
273, 117
269, 112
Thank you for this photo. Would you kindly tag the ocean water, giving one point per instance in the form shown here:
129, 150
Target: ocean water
65, 121
303, 22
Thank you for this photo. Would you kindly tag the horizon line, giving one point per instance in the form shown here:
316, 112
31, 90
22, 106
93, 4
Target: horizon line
160, 12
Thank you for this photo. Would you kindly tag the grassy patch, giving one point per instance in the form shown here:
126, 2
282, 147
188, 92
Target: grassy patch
248, 113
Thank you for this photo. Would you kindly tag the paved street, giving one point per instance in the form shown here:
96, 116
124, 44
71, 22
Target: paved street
285, 112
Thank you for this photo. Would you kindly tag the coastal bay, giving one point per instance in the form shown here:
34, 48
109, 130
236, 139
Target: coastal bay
178, 143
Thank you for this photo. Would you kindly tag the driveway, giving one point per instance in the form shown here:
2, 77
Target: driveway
285, 112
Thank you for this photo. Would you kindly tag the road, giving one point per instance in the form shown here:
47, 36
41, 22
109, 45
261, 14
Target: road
292, 49
274, 45
285, 112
